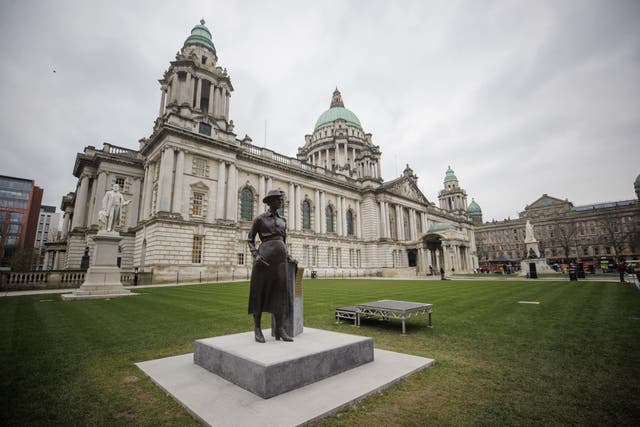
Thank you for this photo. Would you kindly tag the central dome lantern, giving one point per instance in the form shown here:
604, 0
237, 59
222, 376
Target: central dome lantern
338, 143
337, 111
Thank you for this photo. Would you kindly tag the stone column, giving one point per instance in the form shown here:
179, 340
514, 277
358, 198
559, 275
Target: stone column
178, 191
292, 206
226, 105
381, 228
358, 220
328, 163
323, 213
412, 225
162, 99
298, 207
80, 207
65, 223
100, 190
269, 184
339, 215
232, 193
316, 201
45, 263
399, 225
210, 106
134, 206
214, 100
261, 193
165, 181
220, 190
198, 94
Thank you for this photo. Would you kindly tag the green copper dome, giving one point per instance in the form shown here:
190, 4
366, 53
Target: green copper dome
450, 176
335, 112
474, 209
200, 35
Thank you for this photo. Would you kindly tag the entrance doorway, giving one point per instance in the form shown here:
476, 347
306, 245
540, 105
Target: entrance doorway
412, 255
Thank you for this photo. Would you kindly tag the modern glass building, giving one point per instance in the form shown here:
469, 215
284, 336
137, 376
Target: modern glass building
19, 211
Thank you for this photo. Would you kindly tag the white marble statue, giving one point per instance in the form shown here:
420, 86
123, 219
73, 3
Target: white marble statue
528, 233
112, 202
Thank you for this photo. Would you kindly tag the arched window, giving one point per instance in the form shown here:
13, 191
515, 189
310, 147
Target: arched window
246, 204
306, 215
349, 223
329, 215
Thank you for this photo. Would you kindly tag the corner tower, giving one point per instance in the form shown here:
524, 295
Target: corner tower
452, 198
339, 143
195, 90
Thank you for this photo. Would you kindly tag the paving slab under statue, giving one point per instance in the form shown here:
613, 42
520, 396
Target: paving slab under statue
216, 401
102, 280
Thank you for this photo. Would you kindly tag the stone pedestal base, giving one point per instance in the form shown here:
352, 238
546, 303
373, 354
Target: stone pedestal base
103, 277
276, 367
541, 266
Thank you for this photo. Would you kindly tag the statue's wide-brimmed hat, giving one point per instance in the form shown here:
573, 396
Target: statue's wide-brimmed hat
271, 194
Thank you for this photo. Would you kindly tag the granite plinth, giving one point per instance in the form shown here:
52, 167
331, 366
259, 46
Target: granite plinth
276, 367
102, 279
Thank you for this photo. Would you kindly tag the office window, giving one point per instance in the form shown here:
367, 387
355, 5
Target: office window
329, 214
200, 167
306, 215
349, 223
196, 254
197, 204
246, 204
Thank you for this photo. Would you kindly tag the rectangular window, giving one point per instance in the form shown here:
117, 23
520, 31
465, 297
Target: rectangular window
314, 256
120, 181
205, 129
305, 255
197, 202
200, 167
240, 259
329, 257
338, 257
196, 254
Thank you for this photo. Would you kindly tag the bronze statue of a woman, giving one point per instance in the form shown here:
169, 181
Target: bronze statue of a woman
268, 291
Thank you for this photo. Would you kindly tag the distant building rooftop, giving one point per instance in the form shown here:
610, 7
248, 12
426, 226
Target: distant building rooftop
604, 205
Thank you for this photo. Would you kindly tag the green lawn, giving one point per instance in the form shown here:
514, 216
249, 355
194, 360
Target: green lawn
573, 359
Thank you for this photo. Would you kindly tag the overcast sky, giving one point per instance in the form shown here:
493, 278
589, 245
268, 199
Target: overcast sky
520, 98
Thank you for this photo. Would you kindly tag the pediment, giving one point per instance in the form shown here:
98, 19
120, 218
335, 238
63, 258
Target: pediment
546, 201
199, 186
406, 187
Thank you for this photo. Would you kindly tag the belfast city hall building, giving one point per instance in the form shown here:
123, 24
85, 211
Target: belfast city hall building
195, 188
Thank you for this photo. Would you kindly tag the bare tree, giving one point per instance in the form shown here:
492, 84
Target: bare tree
612, 233
566, 233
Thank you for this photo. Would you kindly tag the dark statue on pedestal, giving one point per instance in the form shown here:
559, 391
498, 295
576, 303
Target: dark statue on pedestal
268, 291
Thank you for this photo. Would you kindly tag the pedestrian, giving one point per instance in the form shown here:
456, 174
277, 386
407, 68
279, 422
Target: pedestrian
621, 270
442, 273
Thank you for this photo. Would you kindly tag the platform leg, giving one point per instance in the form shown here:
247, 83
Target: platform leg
404, 330
430, 321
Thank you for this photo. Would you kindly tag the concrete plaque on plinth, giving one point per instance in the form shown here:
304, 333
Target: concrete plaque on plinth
102, 280
293, 322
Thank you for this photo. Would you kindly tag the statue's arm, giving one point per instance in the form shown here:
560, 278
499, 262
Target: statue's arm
251, 238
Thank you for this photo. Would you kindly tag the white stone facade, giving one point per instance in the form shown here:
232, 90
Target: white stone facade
195, 189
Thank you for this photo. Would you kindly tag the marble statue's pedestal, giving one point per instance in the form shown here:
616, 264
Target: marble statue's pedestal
102, 279
275, 367
541, 266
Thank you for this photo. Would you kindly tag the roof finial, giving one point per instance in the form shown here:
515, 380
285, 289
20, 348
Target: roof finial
336, 100
202, 21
